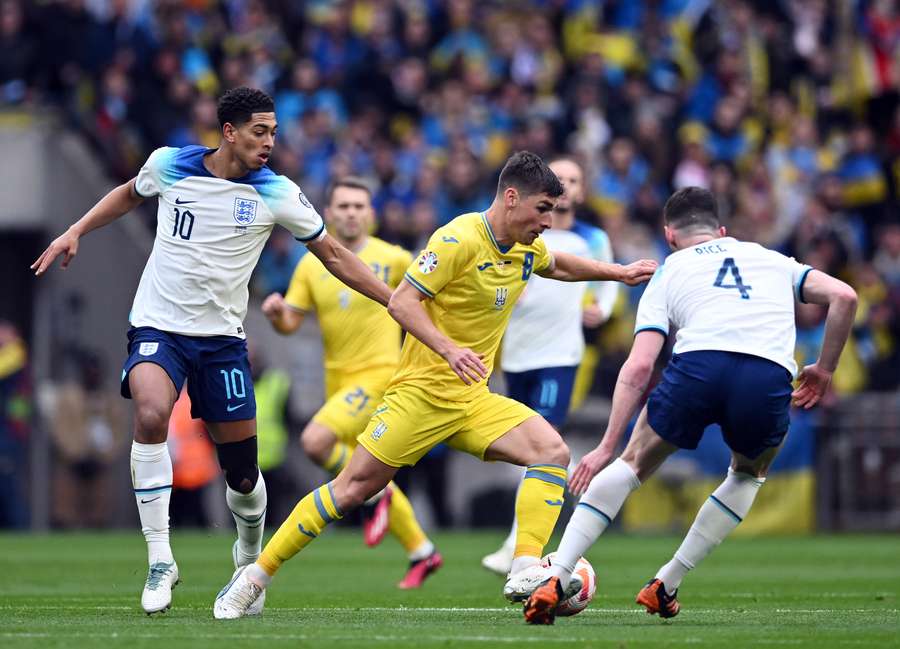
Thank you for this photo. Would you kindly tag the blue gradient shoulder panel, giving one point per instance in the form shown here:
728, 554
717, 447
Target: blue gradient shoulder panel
596, 238
177, 164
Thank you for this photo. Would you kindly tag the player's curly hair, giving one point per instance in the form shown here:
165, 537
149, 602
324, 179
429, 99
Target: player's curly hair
237, 105
691, 208
529, 175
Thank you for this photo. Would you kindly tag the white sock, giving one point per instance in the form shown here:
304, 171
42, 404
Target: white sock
509, 543
520, 563
422, 552
249, 512
151, 477
258, 576
595, 511
720, 514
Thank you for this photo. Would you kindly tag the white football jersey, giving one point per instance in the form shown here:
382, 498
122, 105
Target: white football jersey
209, 235
726, 295
545, 327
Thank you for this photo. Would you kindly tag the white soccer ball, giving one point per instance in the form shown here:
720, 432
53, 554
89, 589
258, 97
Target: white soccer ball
579, 601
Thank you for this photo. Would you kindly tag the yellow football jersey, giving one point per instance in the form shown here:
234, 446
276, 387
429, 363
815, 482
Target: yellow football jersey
357, 332
473, 283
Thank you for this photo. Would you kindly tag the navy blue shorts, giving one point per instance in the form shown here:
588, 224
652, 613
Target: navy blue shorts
748, 396
217, 370
547, 390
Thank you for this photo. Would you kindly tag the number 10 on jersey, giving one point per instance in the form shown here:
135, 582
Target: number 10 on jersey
184, 224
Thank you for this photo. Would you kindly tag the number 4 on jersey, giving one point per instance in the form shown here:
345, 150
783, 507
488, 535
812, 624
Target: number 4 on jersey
729, 265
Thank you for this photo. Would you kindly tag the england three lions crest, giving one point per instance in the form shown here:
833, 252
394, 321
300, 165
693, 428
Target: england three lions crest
244, 211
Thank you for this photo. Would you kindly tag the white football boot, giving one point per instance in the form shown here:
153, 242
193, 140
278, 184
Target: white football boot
520, 585
257, 607
237, 597
500, 561
161, 579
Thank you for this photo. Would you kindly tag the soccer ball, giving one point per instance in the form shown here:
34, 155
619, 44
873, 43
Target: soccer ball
579, 601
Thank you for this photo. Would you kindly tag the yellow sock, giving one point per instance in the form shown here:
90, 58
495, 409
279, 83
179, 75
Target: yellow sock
538, 505
402, 521
314, 511
339, 457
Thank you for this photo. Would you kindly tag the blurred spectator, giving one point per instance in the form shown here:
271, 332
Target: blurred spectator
788, 111
18, 53
194, 466
87, 430
15, 425
277, 263
274, 424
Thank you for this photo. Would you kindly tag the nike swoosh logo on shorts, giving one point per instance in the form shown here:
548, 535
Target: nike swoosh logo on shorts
233, 408
178, 201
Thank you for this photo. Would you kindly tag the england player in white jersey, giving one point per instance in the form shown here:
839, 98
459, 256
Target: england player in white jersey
732, 304
544, 342
216, 210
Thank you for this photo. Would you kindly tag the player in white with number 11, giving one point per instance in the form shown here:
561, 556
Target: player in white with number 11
732, 304
216, 210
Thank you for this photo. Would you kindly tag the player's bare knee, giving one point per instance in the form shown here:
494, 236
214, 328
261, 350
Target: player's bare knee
543, 449
752, 469
558, 453
316, 445
756, 467
151, 423
350, 493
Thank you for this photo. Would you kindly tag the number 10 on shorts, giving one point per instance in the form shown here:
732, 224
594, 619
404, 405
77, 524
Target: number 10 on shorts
234, 384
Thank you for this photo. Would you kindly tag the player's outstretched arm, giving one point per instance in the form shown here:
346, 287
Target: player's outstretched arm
406, 308
284, 318
116, 203
630, 386
821, 288
572, 268
350, 269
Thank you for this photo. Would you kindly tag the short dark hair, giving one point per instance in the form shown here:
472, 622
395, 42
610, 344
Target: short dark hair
529, 175
237, 105
353, 182
564, 157
691, 208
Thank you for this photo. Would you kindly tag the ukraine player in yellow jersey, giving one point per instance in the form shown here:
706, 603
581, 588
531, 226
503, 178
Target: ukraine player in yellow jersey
455, 303
362, 349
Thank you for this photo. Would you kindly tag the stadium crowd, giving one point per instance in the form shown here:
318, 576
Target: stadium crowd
787, 110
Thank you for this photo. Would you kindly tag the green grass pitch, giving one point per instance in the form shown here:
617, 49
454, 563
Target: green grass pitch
83, 590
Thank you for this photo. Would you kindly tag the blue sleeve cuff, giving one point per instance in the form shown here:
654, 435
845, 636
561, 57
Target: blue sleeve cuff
800, 283
655, 328
312, 237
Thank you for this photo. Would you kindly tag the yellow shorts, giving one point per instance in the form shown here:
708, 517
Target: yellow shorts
350, 401
410, 422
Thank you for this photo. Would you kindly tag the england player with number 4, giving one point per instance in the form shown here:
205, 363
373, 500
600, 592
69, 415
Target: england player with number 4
216, 210
732, 304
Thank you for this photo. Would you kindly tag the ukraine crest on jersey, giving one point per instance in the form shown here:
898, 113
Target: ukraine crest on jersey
209, 235
473, 283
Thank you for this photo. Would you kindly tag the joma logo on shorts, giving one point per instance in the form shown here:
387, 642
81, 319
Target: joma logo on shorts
379, 431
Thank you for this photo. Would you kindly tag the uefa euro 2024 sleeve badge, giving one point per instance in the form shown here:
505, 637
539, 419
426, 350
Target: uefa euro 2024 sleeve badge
428, 261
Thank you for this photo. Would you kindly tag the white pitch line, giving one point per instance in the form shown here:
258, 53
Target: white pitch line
448, 609
415, 638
